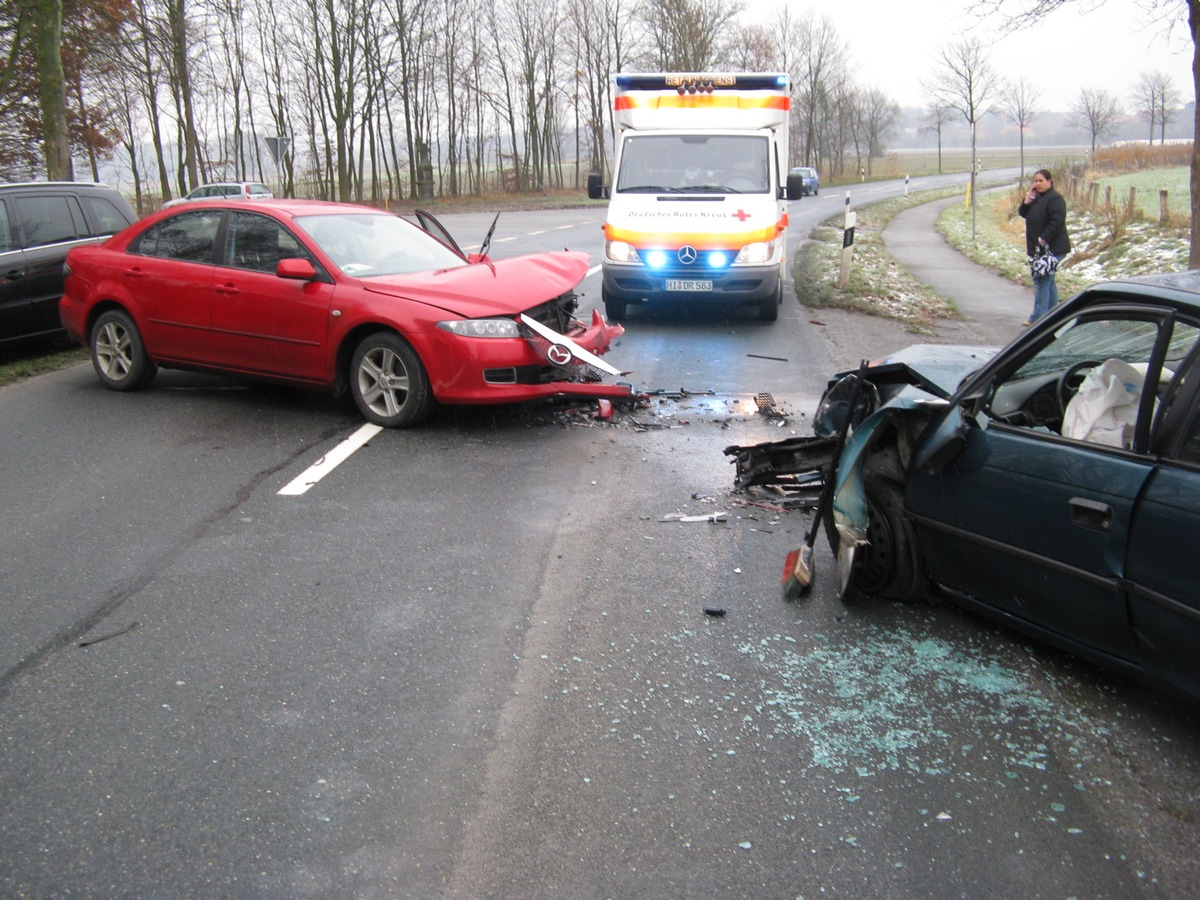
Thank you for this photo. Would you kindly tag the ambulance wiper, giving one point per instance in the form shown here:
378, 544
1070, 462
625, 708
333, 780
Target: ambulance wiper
650, 189
708, 189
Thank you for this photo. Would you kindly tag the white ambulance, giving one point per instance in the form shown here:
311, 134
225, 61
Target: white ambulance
698, 206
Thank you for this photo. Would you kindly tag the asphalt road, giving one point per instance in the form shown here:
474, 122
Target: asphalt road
473, 661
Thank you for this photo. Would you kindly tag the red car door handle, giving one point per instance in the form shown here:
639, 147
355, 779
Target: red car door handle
134, 273
226, 289
1091, 514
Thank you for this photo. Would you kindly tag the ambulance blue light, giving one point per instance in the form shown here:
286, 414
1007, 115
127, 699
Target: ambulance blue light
718, 259
656, 259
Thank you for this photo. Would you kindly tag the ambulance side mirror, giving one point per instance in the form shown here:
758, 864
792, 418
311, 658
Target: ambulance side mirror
795, 186
596, 188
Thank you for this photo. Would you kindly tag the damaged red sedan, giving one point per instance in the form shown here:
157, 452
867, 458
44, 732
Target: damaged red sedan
339, 297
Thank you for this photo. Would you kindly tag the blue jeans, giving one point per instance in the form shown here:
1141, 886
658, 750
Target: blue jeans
1045, 297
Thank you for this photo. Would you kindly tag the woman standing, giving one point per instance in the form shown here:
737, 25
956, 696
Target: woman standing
1045, 213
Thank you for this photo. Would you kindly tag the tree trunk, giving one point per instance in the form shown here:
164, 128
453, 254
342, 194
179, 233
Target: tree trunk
52, 89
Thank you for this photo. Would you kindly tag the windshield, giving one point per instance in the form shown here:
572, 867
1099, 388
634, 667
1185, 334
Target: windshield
705, 163
366, 245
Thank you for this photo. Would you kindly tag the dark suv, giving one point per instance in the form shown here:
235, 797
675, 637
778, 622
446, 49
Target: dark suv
39, 223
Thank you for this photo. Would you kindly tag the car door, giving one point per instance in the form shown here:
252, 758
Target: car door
1032, 524
1162, 566
262, 323
168, 273
14, 301
50, 225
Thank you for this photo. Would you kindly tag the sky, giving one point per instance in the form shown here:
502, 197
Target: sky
895, 44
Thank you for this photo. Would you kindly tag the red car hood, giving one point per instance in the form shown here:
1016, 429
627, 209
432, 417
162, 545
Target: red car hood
504, 287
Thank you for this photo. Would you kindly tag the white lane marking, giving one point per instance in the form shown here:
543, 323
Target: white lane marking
563, 227
543, 231
330, 461
592, 271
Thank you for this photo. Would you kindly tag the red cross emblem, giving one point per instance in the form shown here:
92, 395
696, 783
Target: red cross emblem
741, 215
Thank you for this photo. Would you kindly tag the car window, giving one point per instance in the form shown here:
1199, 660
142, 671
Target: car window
189, 236
259, 189
366, 245
50, 220
106, 216
1087, 380
6, 236
259, 243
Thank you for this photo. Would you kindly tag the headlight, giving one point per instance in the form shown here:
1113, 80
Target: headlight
835, 405
620, 251
759, 252
481, 328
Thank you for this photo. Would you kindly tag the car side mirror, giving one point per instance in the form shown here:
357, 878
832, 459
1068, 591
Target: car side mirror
297, 268
596, 188
943, 442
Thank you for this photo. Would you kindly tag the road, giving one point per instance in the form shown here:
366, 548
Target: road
474, 661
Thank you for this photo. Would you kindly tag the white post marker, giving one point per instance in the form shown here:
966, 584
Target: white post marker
847, 244
330, 461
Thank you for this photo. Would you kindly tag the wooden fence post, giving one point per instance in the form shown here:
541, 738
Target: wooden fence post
1163, 211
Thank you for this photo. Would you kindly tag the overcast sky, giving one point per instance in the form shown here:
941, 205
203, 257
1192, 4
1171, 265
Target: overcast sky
895, 44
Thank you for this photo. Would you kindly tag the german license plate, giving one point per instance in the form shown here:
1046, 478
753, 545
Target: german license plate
673, 284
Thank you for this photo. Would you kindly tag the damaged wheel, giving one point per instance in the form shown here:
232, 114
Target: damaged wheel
889, 565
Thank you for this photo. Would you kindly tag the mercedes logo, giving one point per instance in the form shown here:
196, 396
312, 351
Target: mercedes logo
558, 354
687, 255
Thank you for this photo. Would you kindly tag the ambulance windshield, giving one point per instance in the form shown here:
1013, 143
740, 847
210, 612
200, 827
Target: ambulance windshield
695, 163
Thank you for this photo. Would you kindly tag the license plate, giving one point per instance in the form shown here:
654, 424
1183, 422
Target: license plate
681, 285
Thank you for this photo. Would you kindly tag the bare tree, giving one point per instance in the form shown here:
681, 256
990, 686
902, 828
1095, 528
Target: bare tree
820, 78
687, 34
965, 81
877, 114
1018, 102
1097, 111
936, 120
1156, 100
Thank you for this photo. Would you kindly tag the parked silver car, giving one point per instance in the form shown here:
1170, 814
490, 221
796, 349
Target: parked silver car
225, 190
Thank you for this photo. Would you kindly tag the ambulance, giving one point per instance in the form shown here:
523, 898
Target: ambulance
698, 205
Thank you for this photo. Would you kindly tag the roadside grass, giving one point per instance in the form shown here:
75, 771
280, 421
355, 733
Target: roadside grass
877, 285
29, 361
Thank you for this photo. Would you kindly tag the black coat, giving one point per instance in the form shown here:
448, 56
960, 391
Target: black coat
1046, 218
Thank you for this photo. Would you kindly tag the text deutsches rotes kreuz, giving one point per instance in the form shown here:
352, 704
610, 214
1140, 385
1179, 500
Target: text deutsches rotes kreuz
685, 214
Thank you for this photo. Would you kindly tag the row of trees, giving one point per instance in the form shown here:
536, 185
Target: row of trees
495, 94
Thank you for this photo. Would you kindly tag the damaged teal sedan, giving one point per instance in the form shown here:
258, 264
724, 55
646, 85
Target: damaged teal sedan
1053, 485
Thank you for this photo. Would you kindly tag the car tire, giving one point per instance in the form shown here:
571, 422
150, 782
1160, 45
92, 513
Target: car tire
389, 383
614, 307
119, 354
768, 309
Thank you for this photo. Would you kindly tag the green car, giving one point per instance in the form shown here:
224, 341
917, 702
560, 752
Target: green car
1053, 485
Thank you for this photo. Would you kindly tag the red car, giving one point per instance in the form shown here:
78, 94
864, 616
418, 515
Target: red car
338, 297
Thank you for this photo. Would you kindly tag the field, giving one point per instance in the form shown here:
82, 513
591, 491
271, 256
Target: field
1176, 181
